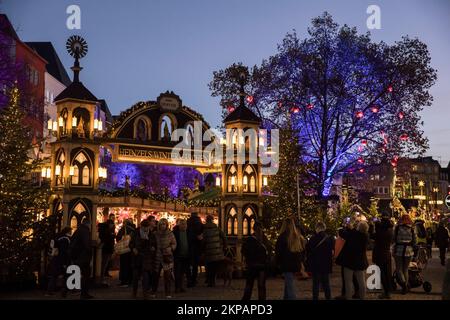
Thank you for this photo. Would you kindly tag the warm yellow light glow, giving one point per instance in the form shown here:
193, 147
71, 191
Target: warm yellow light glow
49, 124
74, 121
102, 173
61, 121
261, 141
223, 141
71, 171
245, 180
421, 183
234, 140
49, 173
241, 140
264, 181
95, 124
57, 170
218, 181
100, 125
233, 180
43, 172
435, 190
55, 125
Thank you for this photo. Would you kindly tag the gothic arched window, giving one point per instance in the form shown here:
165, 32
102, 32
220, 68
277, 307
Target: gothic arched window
166, 127
59, 167
232, 221
232, 179
248, 221
249, 179
82, 170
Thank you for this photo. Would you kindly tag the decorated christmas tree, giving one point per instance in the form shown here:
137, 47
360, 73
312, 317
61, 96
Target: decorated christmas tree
23, 229
284, 198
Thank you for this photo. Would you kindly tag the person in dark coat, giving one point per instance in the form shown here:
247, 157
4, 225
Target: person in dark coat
255, 253
353, 258
215, 243
319, 251
126, 271
430, 239
289, 250
195, 237
181, 255
81, 254
60, 260
381, 255
442, 240
107, 236
348, 225
143, 247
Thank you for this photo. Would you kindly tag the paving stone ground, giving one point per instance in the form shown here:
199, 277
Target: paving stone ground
434, 273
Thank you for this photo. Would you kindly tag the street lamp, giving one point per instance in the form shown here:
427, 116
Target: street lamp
435, 190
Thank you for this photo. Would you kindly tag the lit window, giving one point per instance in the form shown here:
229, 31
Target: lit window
85, 175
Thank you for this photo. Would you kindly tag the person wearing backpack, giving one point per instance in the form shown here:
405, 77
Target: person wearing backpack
60, 260
404, 242
255, 253
319, 252
81, 254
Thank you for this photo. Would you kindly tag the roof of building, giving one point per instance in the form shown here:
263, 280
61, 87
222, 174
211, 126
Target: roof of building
242, 113
76, 90
54, 66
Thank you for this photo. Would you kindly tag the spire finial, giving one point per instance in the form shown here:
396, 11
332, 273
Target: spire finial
77, 48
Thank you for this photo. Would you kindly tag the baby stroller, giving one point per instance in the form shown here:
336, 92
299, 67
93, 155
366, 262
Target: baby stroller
415, 268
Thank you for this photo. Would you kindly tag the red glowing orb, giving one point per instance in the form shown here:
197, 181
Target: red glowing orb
309, 106
230, 108
295, 109
390, 89
359, 114
401, 115
360, 160
364, 142
404, 137
375, 109
361, 170
250, 99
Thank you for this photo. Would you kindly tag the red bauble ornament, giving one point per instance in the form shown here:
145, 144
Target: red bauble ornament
230, 108
361, 170
360, 160
359, 114
250, 99
401, 115
309, 106
394, 163
404, 137
390, 89
295, 109
364, 142
375, 109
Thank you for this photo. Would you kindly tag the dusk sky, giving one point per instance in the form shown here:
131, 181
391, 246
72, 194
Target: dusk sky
138, 49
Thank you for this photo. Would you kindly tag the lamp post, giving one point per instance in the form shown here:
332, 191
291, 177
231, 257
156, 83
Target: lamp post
421, 185
435, 190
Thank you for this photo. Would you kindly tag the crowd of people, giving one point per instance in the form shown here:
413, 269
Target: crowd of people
153, 251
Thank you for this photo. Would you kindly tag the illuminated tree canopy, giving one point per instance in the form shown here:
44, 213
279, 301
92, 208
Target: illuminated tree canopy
355, 102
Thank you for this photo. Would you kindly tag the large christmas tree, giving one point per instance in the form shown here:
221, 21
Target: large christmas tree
289, 186
23, 230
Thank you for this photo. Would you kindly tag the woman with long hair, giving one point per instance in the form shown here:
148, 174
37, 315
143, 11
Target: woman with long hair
289, 250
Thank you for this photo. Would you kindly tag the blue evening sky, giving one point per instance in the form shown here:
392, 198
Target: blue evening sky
140, 48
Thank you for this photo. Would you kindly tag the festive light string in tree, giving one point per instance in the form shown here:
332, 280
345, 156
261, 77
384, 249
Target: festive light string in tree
359, 90
283, 201
22, 236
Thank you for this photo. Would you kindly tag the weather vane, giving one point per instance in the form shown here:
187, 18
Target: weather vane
77, 47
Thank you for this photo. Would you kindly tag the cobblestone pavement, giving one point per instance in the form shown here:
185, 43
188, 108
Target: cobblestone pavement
434, 273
